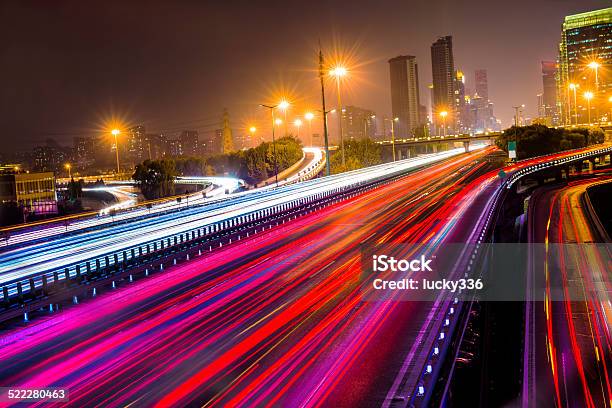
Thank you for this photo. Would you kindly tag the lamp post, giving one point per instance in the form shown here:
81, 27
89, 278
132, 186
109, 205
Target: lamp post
588, 95
115, 133
309, 116
298, 124
574, 87
252, 130
284, 105
338, 73
595, 66
325, 136
274, 123
393, 136
68, 167
443, 114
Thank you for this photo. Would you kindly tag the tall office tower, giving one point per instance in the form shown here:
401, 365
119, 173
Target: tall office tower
443, 72
405, 103
189, 142
135, 144
482, 83
157, 146
549, 92
462, 122
84, 151
585, 55
358, 123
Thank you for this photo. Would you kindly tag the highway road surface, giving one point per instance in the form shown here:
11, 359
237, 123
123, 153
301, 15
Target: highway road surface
276, 319
571, 339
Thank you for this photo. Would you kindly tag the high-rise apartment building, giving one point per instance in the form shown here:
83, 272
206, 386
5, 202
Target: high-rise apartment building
549, 92
189, 143
481, 83
135, 144
358, 123
585, 57
443, 73
405, 103
84, 151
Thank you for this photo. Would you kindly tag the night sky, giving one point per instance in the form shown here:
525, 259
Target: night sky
68, 67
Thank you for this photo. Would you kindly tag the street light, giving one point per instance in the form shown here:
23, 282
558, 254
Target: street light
284, 106
365, 125
68, 167
252, 130
588, 95
595, 65
443, 114
275, 122
393, 136
339, 72
115, 133
574, 87
309, 116
298, 123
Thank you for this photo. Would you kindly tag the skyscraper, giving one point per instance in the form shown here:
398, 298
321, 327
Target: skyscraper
482, 83
189, 142
584, 57
549, 92
405, 102
443, 73
135, 144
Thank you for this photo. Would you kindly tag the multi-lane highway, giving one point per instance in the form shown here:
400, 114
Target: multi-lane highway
570, 337
278, 318
97, 245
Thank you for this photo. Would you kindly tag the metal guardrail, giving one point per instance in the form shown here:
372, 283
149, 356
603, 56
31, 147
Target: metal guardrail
422, 393
22, 285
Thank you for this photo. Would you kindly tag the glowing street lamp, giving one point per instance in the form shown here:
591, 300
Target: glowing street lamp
444, 114
309, 116
252, 131
68, 167
115, 133
284, 106
298, 124
595, 65
588, 95
393, 136
574, 87
339, 72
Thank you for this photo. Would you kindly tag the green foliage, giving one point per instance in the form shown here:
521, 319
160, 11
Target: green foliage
538, 140
156, 177
75, 189
358, 154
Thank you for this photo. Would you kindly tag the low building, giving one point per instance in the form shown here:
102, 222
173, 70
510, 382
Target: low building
34, 192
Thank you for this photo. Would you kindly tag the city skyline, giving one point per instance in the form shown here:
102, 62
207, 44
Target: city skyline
124, 72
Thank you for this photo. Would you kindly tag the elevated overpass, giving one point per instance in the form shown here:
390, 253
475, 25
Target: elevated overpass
406, 148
